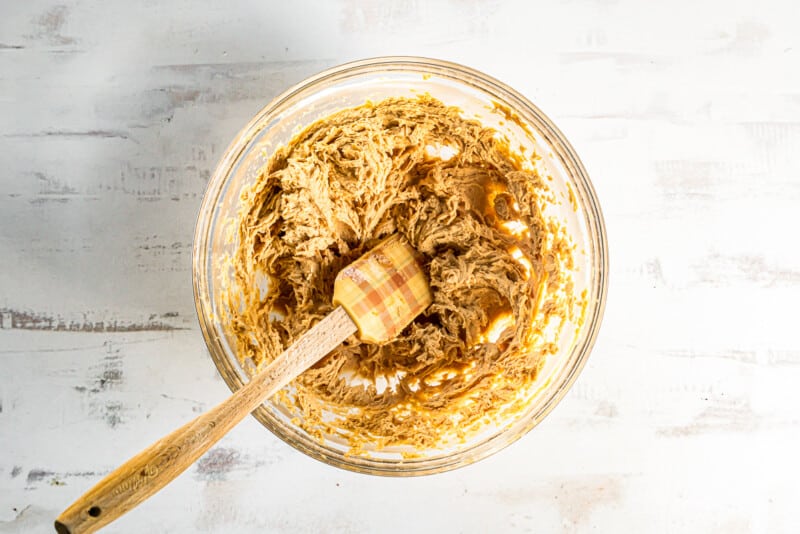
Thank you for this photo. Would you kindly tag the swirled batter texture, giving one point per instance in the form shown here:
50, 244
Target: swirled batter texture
498, 271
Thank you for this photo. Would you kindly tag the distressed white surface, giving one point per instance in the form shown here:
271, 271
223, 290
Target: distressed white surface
687, 116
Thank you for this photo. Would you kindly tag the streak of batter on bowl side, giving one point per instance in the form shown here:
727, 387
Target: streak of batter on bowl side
499, 272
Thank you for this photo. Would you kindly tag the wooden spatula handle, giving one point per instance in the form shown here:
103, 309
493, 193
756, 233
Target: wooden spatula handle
150, 470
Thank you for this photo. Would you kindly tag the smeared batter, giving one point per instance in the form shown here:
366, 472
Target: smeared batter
498, 270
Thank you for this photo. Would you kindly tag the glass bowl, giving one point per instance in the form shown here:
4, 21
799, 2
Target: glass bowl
477, 95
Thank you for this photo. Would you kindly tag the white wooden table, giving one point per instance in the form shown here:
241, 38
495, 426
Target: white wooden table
687, 116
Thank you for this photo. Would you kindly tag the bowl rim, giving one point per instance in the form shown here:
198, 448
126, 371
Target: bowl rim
593, 219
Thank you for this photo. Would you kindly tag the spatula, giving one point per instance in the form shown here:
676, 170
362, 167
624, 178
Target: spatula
376, 297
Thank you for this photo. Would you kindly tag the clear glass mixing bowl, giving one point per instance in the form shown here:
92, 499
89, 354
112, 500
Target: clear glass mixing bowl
477, 95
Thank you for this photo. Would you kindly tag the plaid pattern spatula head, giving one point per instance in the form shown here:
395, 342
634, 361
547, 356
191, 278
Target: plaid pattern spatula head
383, 290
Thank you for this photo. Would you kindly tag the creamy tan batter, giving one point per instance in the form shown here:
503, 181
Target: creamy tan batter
498, 270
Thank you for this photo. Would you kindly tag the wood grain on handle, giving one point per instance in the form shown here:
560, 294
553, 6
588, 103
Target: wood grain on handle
150, 470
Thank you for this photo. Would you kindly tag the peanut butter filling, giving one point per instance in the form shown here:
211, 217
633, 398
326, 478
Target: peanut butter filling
499, 271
